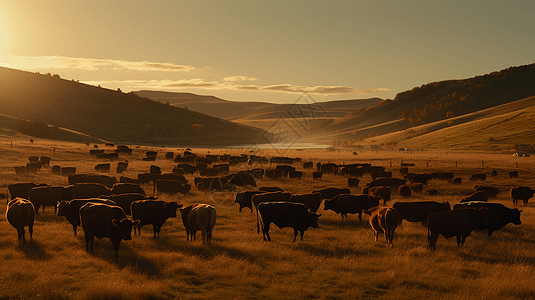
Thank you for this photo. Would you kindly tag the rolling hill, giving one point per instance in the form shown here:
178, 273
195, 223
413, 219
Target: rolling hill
434, 102
257, 114
50, 107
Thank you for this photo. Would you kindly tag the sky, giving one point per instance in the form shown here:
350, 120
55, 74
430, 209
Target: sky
272, 51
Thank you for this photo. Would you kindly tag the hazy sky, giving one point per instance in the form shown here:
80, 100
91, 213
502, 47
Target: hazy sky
266, 50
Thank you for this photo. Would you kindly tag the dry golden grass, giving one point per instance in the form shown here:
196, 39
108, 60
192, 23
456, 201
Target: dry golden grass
339, 260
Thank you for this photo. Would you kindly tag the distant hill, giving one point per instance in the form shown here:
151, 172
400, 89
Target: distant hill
257, 114
433, 102
51, 107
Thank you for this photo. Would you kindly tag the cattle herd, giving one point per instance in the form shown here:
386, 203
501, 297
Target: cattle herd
101, 204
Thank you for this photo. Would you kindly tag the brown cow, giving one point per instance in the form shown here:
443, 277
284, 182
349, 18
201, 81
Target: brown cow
199, 217
19, 213
49, 196
384, 220
311, 201
153, 212
456, 222
382, 192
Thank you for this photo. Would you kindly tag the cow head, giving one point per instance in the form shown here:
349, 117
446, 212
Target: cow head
314, 220
373, 201
61, 208
239, 197
125, 227
329, 204
514, 216
171, 208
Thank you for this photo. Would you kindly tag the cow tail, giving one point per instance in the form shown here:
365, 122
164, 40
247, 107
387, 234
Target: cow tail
257, 224
154, 188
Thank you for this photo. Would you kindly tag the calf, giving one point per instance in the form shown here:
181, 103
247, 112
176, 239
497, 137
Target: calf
102, 220
384, 220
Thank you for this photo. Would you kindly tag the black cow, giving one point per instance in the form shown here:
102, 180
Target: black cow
329, 193
311, 201
492, 192
21, 189
103, 167
153, 212
286, 214
521, 192
102, 220
171, 186
244, 199
456, 222
317, 175
353, 182
499, 215
350, 204
418, 211
125, 200
476, 196
241, 179
20, 213
71, 209
49, 196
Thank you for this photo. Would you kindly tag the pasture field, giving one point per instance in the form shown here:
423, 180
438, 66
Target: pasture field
338, 260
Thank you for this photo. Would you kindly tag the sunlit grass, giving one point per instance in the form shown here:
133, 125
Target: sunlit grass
338, 260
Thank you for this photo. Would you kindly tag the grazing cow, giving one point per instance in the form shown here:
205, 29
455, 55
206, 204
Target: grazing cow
33, 167
499, 215
71, 209
244, 199
382, 192
491, 192
308, 165
353, 182
404, 171
49, 196
269, 197
513, 174
457, 180
521, 192
126, 188
20, 170
125, 200
327, 168
311, 201
446, 175
494, 173
350, 204
285, 214
199, 217
103, 167
102, 220
417, 188
88, 190
476, 196
189, 169
153, 212
216, 184
456, 222
285, 169
418, 178
19, 213
107, 181
317, 175
270, 189
418, 211
404, 191
21, 189
478, 177
393, 183
242, 180
295, 174
329, 193
376, 175
155, 170
45, 160
384, 220
56, 170
170, 186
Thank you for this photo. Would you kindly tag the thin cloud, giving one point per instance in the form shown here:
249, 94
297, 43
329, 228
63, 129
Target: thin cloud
91, 64
133, 85
239, 78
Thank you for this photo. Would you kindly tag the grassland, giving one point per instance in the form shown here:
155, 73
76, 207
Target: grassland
339, 260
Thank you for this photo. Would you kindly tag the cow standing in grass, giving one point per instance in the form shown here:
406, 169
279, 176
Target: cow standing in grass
20, 213
285, 214
384, 220
102, 220
153, 212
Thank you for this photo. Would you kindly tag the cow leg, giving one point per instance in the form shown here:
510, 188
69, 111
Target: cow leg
89, 242
74, 229
295, 234
360, 216
209, 236
203, 232
20, 235
459, 241
116, 245
432, 239
30, 229
265, 232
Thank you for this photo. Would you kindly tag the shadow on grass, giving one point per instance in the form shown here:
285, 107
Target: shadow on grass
34, 250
